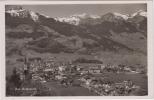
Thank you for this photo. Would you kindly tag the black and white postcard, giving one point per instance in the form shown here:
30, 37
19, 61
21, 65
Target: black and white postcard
77, 49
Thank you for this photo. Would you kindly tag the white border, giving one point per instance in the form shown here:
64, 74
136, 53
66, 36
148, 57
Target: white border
150, 48
72, 2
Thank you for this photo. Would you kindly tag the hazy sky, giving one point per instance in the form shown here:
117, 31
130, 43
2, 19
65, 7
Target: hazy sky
96, 9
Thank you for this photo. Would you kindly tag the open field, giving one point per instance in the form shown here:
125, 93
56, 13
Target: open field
68, 91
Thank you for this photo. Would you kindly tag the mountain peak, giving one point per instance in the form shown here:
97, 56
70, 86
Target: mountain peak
23, 13
34, 16
113, 17
121, 15
140, 13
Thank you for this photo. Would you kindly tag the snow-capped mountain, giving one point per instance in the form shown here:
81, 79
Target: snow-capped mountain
121, 15
75, 19
94, 31
22, 13
140, 13
71, 20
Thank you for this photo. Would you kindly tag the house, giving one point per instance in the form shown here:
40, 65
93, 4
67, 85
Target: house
34, 69
50, 62
84, 71
62, 68
88, 81
59, 77
103, 67
127, 69
95, 70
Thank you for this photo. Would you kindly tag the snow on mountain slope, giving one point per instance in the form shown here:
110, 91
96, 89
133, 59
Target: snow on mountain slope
15, 12
71, 20
23, 14
75, 19
121, 15
34, 16
140, 12
111, 21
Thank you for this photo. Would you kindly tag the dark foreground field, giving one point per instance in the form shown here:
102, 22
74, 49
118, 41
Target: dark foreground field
69, 90
138, 79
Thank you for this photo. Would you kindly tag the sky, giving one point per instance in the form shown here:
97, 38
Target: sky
61, 10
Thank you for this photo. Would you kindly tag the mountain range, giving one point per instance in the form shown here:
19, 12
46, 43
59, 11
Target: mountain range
87, 34
78, 19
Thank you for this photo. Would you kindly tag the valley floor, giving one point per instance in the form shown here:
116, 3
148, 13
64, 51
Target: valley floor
50, 77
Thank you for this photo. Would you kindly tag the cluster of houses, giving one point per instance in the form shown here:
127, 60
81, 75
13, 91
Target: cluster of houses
109, 89
67, 74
